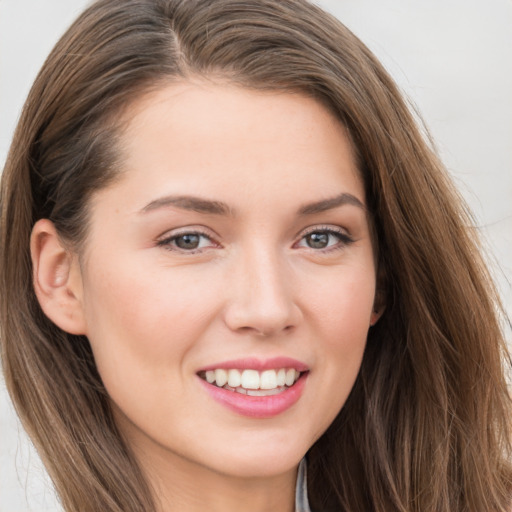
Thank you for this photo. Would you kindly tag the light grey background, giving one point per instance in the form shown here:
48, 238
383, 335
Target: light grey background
452, 58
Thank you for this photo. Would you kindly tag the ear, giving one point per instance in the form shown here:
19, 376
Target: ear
57, 279
379, 303
376, 314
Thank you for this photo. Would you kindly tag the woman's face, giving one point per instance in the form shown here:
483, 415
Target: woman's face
235, 245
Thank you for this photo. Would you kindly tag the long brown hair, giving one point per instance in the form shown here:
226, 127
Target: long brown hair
427, 425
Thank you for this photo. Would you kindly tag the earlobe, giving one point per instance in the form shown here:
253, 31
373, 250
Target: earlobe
376, 314
379, 303
379, 306
57, 279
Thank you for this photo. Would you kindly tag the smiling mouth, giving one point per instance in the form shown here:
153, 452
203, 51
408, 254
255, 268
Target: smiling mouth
252, 382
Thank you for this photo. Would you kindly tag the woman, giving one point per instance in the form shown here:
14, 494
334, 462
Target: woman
226, 248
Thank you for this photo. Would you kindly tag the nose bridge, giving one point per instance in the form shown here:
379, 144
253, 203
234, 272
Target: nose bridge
261, 298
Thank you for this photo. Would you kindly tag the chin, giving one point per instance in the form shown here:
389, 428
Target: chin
263, 459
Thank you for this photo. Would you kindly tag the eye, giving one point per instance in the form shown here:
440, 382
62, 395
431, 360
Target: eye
325, 238
187, 242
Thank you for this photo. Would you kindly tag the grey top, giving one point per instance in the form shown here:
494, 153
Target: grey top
301, 489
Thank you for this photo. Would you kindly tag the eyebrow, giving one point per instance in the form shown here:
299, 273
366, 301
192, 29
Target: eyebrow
329, 204
191, 203
207, 206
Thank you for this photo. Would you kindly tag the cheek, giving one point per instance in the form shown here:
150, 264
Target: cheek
349, 320
341, 322
139, 321
343, 303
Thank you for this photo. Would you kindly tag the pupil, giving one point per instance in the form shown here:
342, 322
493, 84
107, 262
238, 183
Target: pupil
187, 241
318, 240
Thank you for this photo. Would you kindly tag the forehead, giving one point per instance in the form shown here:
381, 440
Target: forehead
221, 138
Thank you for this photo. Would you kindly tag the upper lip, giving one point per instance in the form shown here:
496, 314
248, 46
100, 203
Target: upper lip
253, 363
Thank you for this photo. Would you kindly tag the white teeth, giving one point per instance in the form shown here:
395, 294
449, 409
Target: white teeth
256, 392
281, 377
250, 379
290, 377
269, 382
264, 392
221, 377
268, 379
234, 378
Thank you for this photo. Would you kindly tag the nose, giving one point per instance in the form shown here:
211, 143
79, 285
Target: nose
261, 298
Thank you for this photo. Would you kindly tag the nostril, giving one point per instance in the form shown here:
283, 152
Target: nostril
263, 316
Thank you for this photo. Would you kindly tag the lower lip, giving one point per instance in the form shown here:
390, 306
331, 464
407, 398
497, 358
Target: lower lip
257, 406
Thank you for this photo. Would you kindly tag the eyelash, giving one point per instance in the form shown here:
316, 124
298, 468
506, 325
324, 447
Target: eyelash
169, 242
344, 240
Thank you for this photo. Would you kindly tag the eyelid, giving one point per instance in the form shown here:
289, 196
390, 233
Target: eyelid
333, 228
343, 234
167, 237
165, 240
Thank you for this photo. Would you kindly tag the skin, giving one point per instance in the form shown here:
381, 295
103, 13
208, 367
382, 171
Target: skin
156, 313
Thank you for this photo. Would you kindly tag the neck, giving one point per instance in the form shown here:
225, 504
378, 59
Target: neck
183, 485
179, 485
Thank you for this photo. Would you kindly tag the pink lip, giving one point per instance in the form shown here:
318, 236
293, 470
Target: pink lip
251, 363
257, 406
